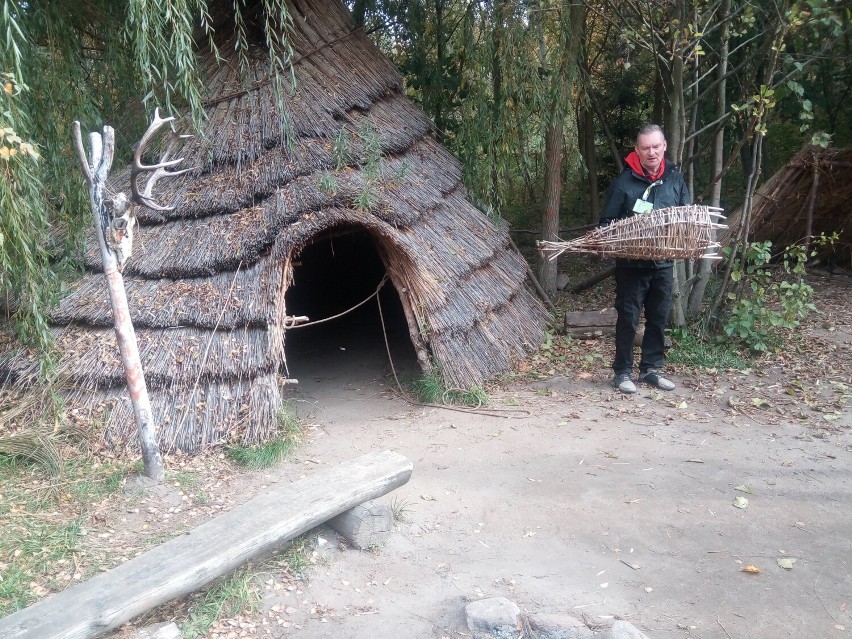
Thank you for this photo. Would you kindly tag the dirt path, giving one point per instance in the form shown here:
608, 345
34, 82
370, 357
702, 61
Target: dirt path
567, 497
572, 499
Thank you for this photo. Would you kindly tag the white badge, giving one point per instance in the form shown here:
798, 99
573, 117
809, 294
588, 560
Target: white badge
643, 206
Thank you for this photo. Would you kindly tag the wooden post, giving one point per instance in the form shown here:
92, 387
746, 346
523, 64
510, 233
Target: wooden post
188, 562
96, 169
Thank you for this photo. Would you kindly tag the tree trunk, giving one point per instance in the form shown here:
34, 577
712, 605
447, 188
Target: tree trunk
696, 295
547, 269
677, 317
439, 94
359, 12
561, 101
591, 158
497, 97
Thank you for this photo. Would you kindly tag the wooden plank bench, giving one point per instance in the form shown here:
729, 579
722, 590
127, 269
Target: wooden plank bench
188, 562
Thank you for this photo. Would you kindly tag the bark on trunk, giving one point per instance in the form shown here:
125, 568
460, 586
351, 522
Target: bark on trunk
591, 159
547, 269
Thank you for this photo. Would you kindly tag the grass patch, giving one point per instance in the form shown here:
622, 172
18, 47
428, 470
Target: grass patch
237, 594
234, 595
35, 542
288, 435
296, 557
429, 389
692, 349
42, 522
399, 509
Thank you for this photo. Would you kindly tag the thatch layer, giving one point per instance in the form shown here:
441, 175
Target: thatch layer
189, 418
813, 187
173, 357
337, 70
207, 280
406, 187
226, 300
393, 125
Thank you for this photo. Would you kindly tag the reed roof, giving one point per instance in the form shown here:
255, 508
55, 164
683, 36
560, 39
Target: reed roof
207, 280
814, 185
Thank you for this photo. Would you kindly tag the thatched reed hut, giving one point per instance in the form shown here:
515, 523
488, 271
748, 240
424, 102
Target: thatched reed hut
264, 231
810, 195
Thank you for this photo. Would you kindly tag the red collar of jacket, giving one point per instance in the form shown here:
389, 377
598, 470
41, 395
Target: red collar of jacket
633, 163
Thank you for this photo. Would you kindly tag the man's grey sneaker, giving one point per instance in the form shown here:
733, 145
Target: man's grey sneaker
623, 383
654, 378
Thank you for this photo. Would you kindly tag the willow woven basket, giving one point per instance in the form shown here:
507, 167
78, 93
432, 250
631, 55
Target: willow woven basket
673, 233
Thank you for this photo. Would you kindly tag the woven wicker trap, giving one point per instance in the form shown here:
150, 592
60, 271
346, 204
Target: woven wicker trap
673, 233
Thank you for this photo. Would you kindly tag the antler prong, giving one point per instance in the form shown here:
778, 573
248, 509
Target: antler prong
158, 170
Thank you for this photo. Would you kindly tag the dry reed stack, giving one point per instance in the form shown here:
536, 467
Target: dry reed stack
673, 233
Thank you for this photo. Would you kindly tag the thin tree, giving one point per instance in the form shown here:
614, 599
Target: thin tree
560, 102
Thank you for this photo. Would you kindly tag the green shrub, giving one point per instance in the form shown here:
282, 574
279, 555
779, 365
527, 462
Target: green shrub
763, 306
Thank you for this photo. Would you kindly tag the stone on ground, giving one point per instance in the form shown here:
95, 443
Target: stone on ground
488, 615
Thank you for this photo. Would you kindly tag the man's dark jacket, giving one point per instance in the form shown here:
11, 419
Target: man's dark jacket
629, 187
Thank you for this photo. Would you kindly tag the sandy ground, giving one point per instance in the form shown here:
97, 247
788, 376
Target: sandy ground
569, 498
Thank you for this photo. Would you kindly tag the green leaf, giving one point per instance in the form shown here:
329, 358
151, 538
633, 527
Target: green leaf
795, 87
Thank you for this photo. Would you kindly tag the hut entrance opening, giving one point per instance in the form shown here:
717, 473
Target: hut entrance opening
334, 273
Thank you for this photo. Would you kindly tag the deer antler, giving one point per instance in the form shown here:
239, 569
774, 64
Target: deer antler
157, 170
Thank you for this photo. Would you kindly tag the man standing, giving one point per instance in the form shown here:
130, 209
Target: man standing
648, 183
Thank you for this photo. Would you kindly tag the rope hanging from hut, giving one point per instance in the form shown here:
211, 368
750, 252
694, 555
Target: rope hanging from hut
494, 413
519, 413
347, 311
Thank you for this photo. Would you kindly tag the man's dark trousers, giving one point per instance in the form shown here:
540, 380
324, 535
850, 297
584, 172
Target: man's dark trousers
636, 287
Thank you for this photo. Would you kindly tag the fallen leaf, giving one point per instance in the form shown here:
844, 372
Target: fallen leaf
786, 562
752, 570
740, 502
759, 402
744, 488
426, 497
695, 461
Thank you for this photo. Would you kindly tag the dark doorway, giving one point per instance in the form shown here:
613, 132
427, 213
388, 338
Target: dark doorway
335, 272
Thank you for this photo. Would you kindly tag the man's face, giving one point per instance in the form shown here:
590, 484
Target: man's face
651, 147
